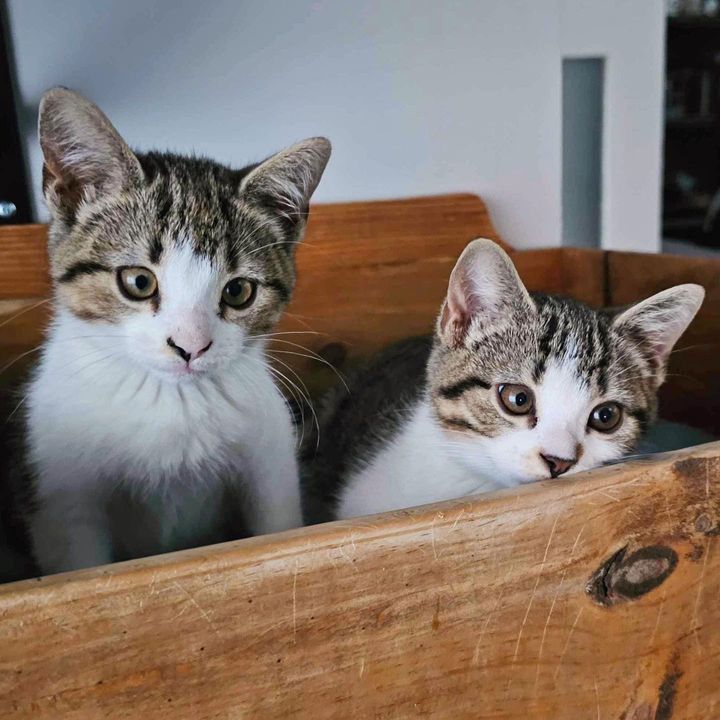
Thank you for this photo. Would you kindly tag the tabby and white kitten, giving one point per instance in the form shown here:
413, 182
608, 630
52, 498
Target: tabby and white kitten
153, 422
514, 387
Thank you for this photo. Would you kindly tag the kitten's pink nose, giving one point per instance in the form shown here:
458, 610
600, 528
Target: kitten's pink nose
557, 465
191, 350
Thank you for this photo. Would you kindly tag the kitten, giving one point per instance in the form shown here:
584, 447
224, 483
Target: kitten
514, 387
153, 422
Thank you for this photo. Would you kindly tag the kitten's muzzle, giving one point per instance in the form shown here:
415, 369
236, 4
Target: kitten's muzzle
189, 354
556, 465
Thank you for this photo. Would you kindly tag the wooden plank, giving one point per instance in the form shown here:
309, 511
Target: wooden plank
373, 272
23, 262
576, 272
541, 270
693, 388
582, 598
584, 275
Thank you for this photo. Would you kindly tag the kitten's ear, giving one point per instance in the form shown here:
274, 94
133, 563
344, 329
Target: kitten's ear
285, 182
658, 322
484, 287
84, 154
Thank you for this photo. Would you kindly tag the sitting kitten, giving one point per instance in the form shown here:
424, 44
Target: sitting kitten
153, 422
513, 388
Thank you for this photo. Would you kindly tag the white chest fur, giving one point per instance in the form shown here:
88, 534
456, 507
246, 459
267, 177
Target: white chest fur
98, 422
419, 466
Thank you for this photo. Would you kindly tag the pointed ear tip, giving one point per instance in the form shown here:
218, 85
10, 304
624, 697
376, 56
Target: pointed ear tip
57, 100
59, 93
695, 290
691, 293
321, 145
487, 247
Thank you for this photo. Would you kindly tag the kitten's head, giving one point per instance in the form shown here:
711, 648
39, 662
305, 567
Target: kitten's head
534, 386
180, 261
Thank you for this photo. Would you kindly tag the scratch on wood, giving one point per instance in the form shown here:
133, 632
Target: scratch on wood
667, 508
362, 667
347, 557
597, 697
608, 495
199, 607
577, 539
694, 625
567, 642
457, 520
476, 654
657, 620
707, 478
552, 606
294, 602
545, 629
440, 516
537, 582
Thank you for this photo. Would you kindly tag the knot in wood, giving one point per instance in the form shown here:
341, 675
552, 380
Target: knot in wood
626, 576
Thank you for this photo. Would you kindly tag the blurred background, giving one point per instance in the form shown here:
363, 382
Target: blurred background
580, 122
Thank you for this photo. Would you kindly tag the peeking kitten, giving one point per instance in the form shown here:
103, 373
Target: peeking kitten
513, 388
153, 422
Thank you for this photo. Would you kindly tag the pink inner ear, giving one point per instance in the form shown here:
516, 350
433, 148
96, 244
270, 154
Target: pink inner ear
661, 350
457, 311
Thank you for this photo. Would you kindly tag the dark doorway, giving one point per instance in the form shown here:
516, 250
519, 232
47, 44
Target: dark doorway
691, 183
14, 195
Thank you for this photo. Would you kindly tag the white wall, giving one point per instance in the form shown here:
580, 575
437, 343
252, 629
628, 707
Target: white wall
418, 96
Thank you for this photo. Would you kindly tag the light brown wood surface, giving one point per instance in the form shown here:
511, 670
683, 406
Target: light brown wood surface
23, 262
478, 608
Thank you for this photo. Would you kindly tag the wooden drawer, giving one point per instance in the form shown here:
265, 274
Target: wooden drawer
589, 598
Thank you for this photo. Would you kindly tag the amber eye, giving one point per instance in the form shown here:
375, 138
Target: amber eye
516, 399
606, 417
239, 293
137, 283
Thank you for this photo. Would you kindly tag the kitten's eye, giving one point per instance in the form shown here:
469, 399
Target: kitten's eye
606, 417
137, 283
239, 293
516, 399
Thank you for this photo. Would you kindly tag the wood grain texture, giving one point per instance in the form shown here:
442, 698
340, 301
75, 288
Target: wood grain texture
578, 599
23, 261
372, 272
692, 391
